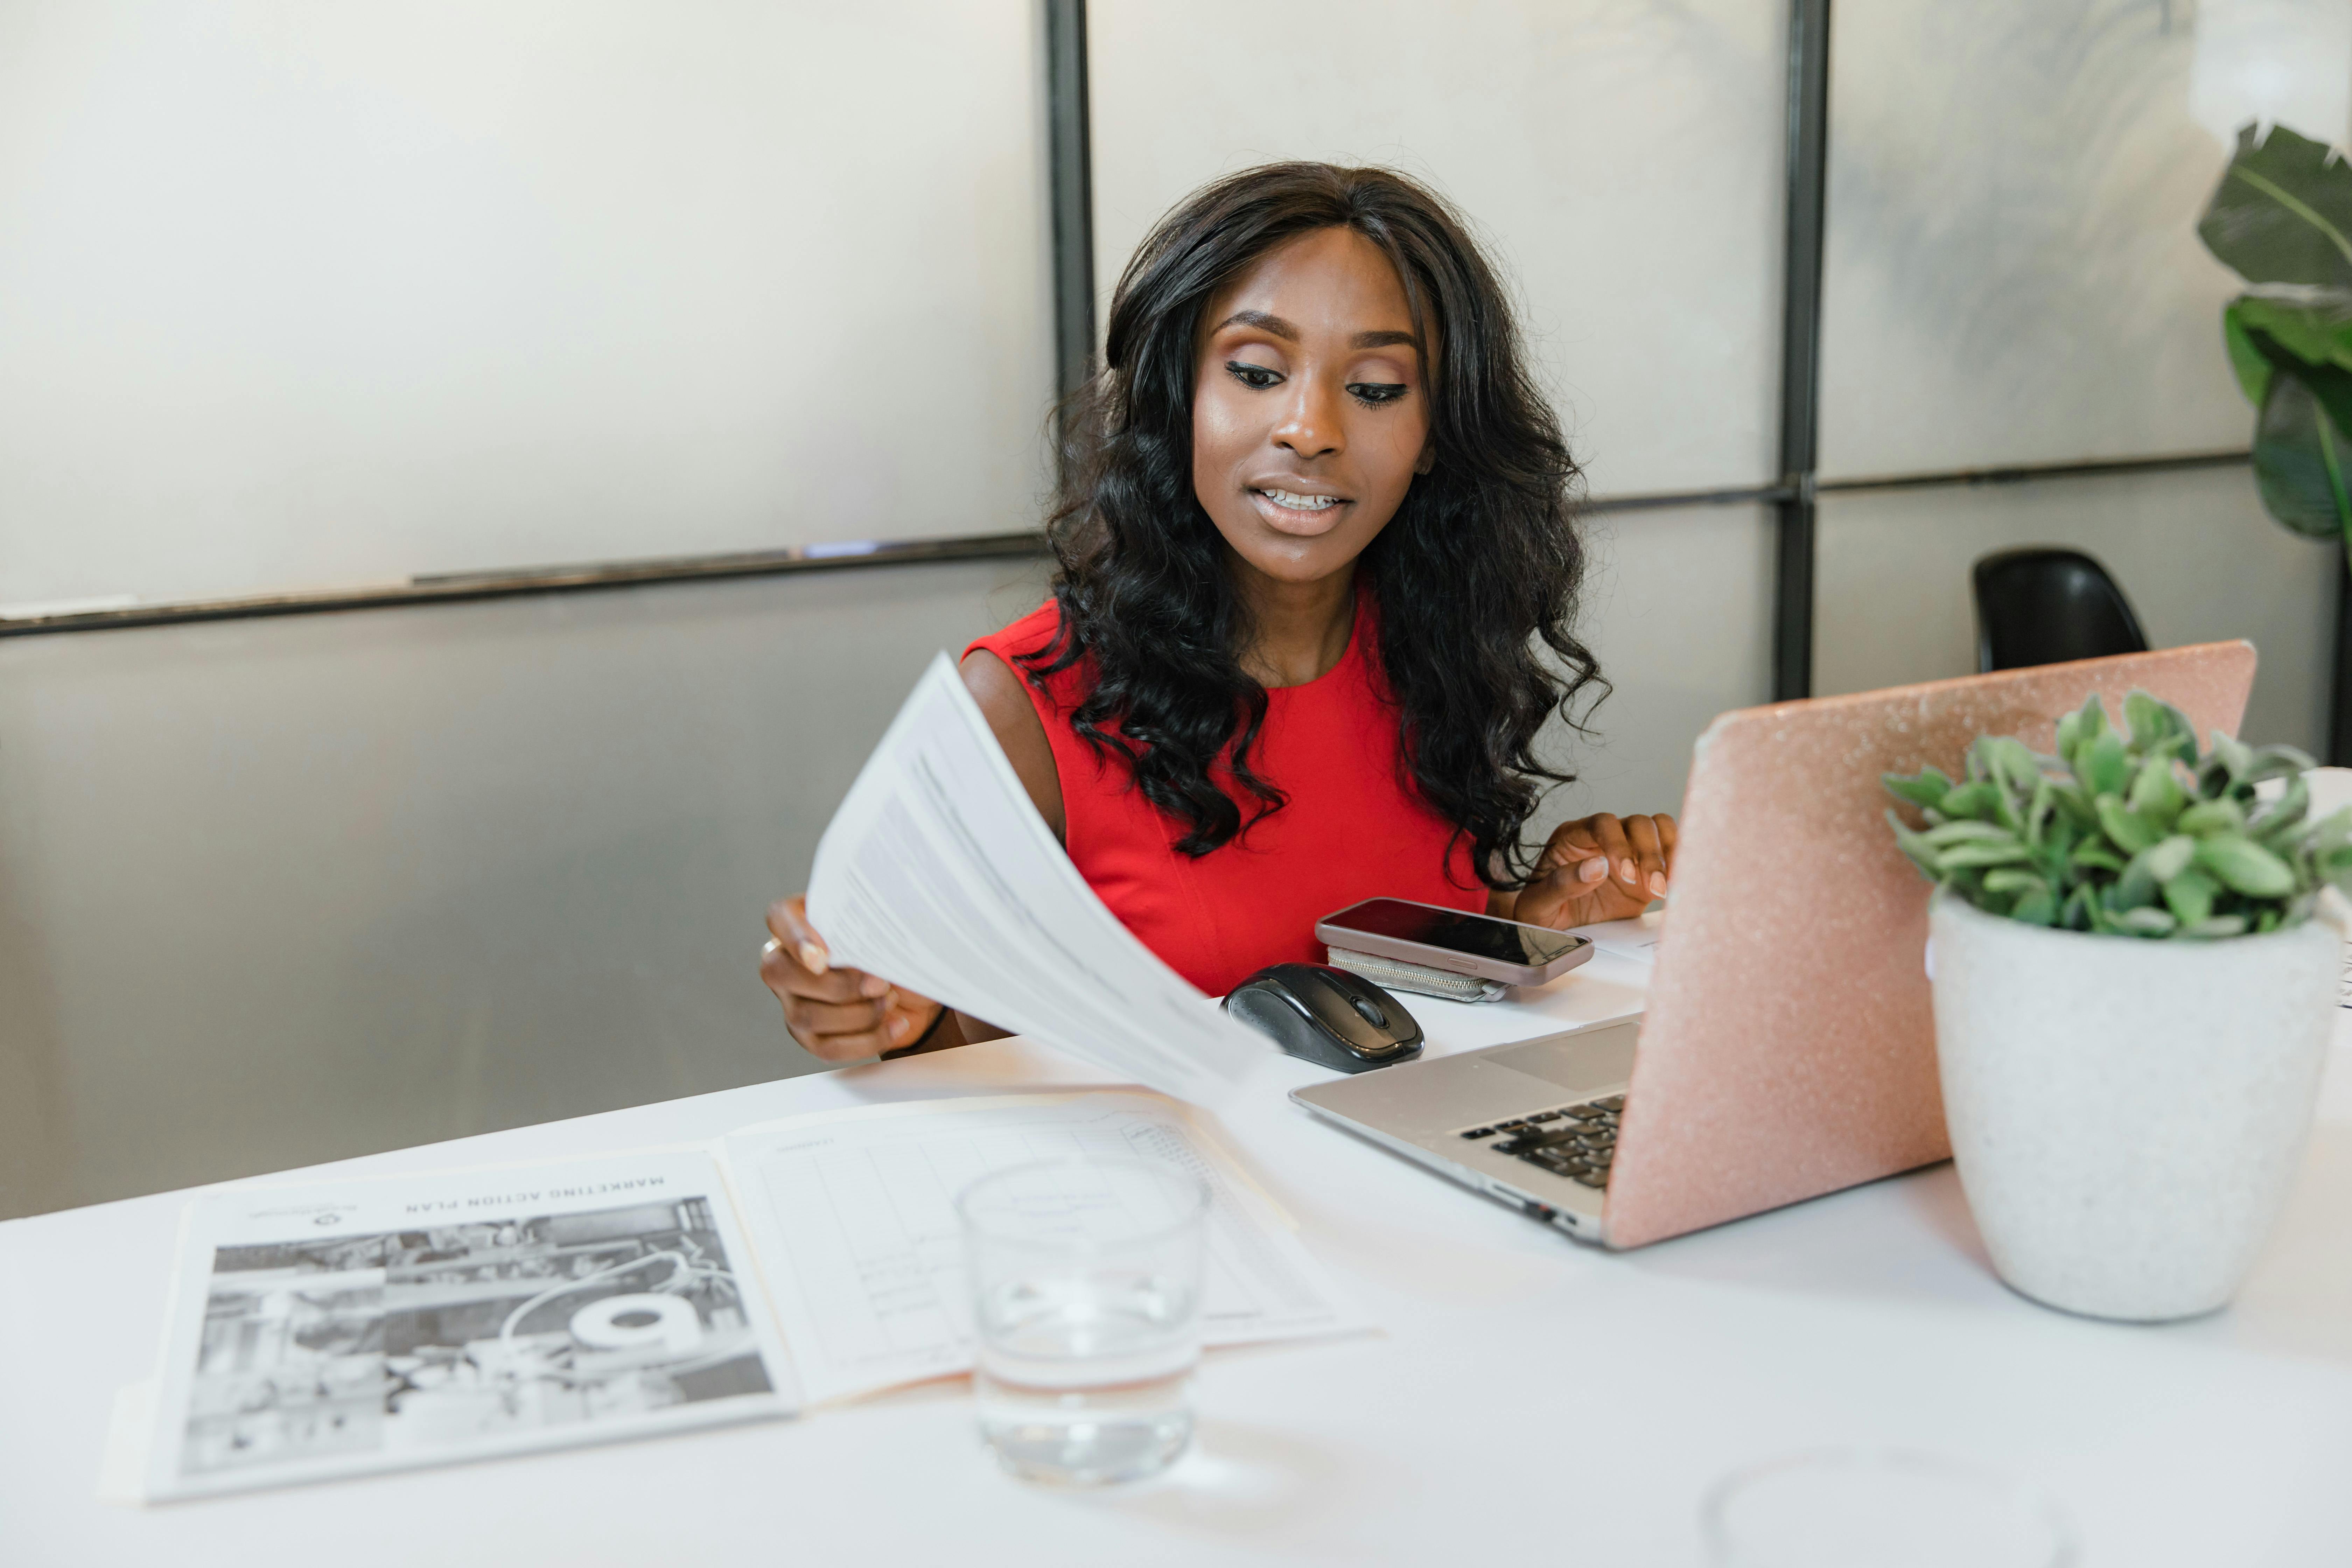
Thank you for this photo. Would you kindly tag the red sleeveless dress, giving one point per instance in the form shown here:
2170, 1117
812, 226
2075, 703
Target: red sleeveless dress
1354, 828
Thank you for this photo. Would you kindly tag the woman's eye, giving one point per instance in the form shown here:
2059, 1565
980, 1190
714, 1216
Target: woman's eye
1377, 390
1254, 376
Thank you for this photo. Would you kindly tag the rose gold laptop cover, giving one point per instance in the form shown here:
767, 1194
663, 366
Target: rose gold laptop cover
1788, 1048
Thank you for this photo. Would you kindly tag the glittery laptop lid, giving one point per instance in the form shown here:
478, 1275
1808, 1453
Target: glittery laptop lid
1788, 1049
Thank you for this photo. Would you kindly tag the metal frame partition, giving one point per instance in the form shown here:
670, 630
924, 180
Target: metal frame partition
1794, 495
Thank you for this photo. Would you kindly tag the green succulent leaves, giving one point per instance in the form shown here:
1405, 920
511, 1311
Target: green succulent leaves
2281, 216
2129, 831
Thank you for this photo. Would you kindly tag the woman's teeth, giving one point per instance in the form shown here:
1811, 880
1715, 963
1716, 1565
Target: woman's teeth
1295, 502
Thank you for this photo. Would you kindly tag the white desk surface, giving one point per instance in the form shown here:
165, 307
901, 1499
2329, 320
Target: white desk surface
1528, 1395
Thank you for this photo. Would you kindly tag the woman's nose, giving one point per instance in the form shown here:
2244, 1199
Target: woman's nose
1310, 425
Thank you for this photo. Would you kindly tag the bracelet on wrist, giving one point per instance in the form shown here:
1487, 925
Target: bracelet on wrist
921, 1040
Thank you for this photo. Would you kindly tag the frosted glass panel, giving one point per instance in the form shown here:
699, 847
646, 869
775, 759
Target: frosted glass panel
1678, 608
295, 295
2013, 274
2192, 551
1623, 156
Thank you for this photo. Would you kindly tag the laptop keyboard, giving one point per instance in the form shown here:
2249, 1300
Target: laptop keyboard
1578, 1142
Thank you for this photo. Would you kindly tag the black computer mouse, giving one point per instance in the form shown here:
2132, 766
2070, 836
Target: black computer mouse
1327, 1016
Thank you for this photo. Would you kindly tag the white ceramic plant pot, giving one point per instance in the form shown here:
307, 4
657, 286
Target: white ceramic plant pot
2127, 1115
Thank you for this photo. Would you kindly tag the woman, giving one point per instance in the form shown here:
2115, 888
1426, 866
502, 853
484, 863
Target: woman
1314, 525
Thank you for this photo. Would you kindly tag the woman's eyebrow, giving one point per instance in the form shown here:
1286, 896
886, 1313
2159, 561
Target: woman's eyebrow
1280, 328
1260, 319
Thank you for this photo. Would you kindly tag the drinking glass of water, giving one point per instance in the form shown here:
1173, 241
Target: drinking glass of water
1879, 1508
1085, 1277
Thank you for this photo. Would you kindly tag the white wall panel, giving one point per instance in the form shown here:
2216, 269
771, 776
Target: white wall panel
2192, 551
1678, 609
298, 294
1623, 156
280, 891
2014, 273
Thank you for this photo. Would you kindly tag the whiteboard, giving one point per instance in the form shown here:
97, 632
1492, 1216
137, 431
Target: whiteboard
303, 295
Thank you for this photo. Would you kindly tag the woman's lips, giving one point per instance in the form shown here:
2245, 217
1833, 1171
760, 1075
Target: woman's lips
1302, 513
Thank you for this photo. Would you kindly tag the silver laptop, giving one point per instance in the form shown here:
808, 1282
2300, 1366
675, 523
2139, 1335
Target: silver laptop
1534, 1125
1788, 1048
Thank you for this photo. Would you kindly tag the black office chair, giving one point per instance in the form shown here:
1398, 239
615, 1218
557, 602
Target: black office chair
2046, 606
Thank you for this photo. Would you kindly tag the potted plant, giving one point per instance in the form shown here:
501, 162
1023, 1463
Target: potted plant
2281, 219
2132, 1000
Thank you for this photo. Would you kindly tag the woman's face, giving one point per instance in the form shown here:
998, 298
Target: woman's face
1309, 419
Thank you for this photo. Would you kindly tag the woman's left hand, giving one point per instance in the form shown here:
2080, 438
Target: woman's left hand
1602, 868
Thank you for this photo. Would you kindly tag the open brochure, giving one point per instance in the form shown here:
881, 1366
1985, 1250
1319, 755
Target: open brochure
343, 1328
334, 1329
937, 873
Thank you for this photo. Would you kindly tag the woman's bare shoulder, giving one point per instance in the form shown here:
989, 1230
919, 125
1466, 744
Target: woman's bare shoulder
1012, 717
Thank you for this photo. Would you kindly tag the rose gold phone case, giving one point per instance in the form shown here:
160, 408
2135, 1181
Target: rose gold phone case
1788, 1049
1446, 961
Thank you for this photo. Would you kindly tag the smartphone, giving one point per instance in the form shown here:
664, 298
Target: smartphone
1454, 940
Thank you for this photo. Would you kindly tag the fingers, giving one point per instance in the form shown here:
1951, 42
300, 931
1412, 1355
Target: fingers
825, 1018
1632, 855
788, 977
836, 1013
861, 1046
853, 1031
1649, 857
1599, 868
788, 919
850, 1033
1572, 847
1623, 870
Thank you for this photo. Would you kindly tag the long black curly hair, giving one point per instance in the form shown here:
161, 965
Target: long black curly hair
1478, 570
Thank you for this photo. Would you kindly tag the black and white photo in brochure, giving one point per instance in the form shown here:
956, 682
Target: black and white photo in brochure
334, 1329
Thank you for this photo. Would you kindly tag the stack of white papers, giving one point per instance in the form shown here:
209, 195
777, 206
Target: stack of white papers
857, 1208
938, 874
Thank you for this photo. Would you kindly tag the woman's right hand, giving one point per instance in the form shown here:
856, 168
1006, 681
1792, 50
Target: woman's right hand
838, 1015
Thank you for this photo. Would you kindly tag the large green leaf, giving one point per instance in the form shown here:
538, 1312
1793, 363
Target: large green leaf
2247, 362
2282, 212
2302, 464
2315, 328
2328, 381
